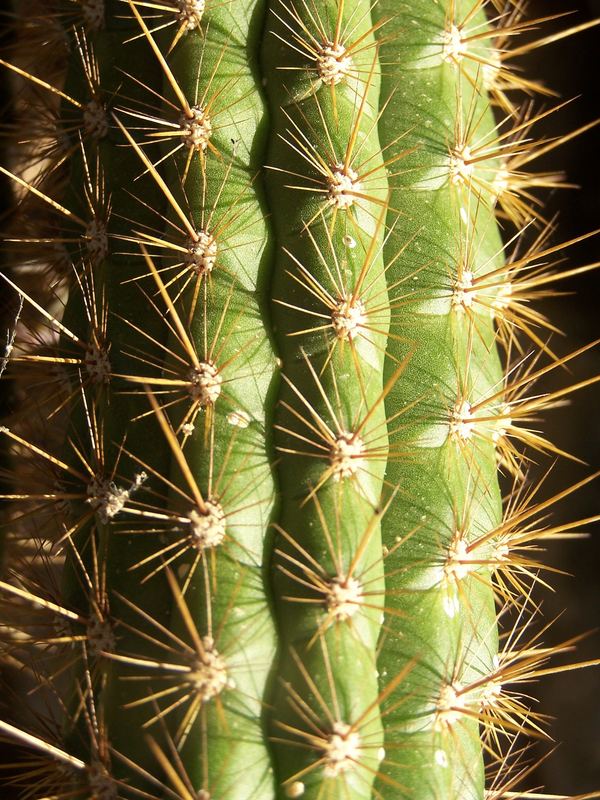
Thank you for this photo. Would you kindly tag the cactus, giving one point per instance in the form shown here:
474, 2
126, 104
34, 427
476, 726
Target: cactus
278, 351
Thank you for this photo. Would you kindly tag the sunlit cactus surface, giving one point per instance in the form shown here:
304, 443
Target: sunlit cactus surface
277, 353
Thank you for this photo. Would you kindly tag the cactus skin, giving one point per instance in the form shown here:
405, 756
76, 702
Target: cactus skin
448, 618
284, 546
329, 403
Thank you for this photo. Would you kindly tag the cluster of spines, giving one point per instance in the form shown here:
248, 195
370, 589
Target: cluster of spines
162, 341
393, 413
327, 186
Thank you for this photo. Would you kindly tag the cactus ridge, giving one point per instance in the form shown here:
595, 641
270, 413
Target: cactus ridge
279, 344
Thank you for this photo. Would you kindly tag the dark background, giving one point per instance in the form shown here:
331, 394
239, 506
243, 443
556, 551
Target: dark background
573, 68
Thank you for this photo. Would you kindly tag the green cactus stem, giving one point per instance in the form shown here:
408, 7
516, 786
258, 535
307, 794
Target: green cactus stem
278, 357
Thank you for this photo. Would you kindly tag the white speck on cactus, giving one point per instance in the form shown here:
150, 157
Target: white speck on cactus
207, 529
294, 789
462, 421
343, 186
342, 751
502, 300
501, 183
201, 253
451, 705
239, 419
454, 47
333, 63
461, 165
460, 561
346, 455
450, 602
191, 12
107, 499
197, 128
490, 71
347, 316
463, 295
205, 383
344, 598
208, 674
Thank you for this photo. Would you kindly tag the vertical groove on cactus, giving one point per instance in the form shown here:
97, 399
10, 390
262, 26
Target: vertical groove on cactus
278, 348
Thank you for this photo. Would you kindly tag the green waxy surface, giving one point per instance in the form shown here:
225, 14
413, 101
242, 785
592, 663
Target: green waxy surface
447, 629
229, 462
329, 250
227, 453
